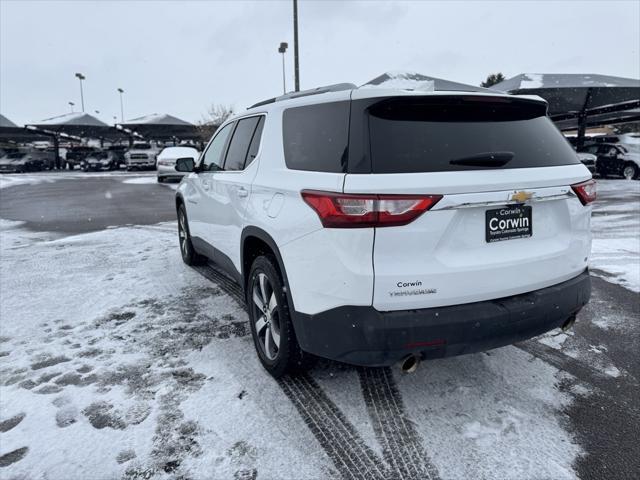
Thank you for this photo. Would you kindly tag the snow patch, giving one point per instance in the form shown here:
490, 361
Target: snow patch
554, 340
141, 181
404, 81
532, 80
612, 371
481, 412
615, 223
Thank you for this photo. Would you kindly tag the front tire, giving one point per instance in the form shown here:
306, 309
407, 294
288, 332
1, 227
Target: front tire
630, 171
160, 179
189, 255
271, 326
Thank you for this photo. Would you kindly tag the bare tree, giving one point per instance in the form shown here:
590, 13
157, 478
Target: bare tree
215, 116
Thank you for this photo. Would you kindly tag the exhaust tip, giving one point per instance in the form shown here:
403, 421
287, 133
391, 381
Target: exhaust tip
569, 323
410, 364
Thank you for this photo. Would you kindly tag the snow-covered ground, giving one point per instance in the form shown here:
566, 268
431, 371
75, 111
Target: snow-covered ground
36, 178
615, 223
121, 361
118, 361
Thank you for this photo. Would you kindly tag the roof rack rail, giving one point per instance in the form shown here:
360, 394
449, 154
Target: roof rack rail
263, 102
337, 87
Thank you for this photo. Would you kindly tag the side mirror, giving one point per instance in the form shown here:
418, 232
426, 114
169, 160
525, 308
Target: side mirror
186, 164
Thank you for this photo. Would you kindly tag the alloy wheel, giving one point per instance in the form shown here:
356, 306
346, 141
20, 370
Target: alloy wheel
267, 323
182, 234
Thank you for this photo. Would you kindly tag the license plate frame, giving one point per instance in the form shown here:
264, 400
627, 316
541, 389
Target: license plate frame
511, 222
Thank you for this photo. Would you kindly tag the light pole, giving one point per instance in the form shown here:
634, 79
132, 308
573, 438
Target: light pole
71, 104
81, 77
295, 45
121, 91
282, 50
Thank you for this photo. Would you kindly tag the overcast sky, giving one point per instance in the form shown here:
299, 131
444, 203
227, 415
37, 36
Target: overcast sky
179, 57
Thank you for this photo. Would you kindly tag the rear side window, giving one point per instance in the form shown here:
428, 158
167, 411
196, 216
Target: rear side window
316, 137
255, 143
443, 135
239, 146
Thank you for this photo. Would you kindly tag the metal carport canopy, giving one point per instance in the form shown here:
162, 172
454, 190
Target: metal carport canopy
10, 132
80, 124
588, 99
161, 126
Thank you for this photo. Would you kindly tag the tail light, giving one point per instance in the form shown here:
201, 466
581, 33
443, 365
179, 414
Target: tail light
341, 210
586, 191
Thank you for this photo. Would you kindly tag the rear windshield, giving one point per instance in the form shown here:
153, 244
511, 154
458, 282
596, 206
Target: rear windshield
464, 133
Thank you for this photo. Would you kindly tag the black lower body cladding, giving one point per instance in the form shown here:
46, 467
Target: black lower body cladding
361, 335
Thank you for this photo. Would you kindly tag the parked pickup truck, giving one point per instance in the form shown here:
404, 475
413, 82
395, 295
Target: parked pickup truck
141, 156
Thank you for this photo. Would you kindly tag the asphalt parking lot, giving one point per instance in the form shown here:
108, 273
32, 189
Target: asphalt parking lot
117, 358
95, 203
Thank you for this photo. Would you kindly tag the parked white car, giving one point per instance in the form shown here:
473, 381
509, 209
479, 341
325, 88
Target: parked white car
166, 161
377, 227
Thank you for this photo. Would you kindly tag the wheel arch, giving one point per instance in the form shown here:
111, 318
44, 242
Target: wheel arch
179, 201
254, 239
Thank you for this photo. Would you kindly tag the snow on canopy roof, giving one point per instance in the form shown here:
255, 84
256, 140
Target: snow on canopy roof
6, 123
157, 119
12, 132
526, 81
71, 119
568, 93
417, 81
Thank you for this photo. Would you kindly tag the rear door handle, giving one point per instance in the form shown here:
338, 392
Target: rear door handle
242, 192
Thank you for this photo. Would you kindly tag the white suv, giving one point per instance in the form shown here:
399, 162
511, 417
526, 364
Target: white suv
381, 226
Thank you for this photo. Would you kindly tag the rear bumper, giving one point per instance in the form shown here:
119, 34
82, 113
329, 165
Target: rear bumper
365, 336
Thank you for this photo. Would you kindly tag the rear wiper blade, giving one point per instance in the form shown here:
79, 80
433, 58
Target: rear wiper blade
487, 159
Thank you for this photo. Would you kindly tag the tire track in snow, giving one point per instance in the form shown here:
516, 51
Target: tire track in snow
335, 434
619, 393
402, 448
401, 444
210, 272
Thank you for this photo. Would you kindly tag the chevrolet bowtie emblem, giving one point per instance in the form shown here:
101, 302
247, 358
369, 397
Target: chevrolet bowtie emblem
521, 197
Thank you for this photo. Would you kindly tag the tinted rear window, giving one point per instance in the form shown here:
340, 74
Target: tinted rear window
316, 137
426, 136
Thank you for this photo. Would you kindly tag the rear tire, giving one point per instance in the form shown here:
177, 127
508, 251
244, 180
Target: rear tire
189, 255
271, 327
160, 179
